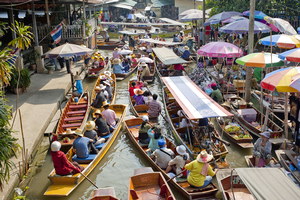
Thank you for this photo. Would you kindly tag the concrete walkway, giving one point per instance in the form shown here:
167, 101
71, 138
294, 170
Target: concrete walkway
38, 106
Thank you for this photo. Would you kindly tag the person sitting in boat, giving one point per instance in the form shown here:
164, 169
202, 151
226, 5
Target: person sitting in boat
83, 146
216, 94
176, 165
108, 90
178, 70
186, 54
91, 133
101, 62
117, 67
100, 97
138, 97
132, 88
154, 109
147, 97
134, 61
145, 71
143, 130
262, 150
126, 64
101, 124
162, 155
61, 163
201, 172
116, 53
110, 116
176, 38
154, 134
78, 85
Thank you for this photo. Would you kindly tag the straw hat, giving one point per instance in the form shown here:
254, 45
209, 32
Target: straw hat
116, 61
77, 77
204, 157
97, 88
226, 104
181, 150
265, 134
107, 73
145, 118
186, 48
97, 112
106, 83
132, 55
69, 131
105, 103
55, 146
79, 132
90, 125
138, 92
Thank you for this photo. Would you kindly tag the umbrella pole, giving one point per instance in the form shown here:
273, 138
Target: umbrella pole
261, 97
286, 115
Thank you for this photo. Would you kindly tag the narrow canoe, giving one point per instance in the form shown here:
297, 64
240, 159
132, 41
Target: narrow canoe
64, 185
287, 158
104, 194
250, 160
137, 110
121, 77
95, 72
132, 126
149, 185
113, 85
109, 45
73, 116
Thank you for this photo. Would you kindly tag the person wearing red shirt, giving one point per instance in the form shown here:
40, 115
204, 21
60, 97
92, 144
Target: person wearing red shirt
131, 89
61, 164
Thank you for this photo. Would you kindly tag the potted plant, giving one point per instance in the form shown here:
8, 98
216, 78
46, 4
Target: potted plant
32, 59
24, 80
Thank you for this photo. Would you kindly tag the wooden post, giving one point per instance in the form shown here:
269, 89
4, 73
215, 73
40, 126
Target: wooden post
286, 115
47, 13
203, 21
34, 26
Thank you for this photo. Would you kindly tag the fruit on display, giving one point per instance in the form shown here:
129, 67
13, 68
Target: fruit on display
66, 140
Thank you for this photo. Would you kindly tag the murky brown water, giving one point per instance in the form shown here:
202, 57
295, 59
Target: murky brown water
120, 161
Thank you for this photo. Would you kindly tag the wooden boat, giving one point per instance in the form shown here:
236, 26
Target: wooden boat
287, 158
149, 185
234, 135
193, 144
64, 185
73, 116
232, 187
120, 77
104, 194
113, 85
94, 72
132, 126
137, 110
250, 160
111, 45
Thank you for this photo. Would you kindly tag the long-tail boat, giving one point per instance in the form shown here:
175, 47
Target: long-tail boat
147, 184
113, 85
137, 110
107, 193
64, 185
132, 126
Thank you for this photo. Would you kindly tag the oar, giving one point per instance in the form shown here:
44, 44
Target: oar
82, 94
222, 140
176, 175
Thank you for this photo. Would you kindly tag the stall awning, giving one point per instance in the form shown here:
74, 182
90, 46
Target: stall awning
167, 56
268, 183
160, 42
193, 101
124, 6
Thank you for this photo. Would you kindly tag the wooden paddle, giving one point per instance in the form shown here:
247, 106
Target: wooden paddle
222, 140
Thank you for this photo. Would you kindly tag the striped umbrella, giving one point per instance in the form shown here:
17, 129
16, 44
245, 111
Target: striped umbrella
262, 60
220, 50
281, 40
292, 55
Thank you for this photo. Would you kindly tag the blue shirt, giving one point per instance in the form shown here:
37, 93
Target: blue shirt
153, 144
186, 54
80, 144
118, 69
79, 86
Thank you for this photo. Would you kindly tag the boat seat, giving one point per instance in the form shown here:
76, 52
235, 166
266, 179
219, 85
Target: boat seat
89, 159
133, 194
71, 125
74, 118
76, 112
100, 146
106, 136
78, 106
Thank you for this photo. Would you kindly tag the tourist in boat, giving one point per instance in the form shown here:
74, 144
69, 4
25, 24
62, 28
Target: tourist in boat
154, 108
154, 134
83, 146
132, 88
117, 67
101, 124
143, 130
145, 71
216, 94
162, 155
147, 97
262, 150
91, 133
138, 97
100, 98
186, 54
110, 116
108, 89
176, 165
61, 163
116, 53
126, 64
201, 172
178, 70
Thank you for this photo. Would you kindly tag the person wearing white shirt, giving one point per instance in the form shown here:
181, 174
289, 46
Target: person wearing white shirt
162, 155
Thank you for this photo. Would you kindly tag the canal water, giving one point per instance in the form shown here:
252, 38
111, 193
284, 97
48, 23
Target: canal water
120, 161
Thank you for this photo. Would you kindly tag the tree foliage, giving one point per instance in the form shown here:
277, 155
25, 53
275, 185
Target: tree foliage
24, 36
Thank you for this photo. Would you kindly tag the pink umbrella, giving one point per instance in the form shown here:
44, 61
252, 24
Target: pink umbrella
220, 50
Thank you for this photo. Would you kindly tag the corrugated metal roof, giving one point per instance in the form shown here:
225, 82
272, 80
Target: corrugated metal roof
160, 3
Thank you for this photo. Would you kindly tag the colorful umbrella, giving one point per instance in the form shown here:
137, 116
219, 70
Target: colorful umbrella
220, 50
292, 55
233, 19
242, 26
262, 59
296, 82
282, 41
257, 14
282, 25
221, 16
68, 50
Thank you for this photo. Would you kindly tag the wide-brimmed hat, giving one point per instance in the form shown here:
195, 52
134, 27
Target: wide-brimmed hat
116, 61
97, 112
132, 55
106, 83
204, 157
105, 103
226, 104
145, 118
55, 146
79, 132
77, 77
186, 48
107, 73
181, 150
90, 125
266, 134
138, 92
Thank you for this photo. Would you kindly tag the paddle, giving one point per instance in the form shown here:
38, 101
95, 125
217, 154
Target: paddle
222, 140
176, 175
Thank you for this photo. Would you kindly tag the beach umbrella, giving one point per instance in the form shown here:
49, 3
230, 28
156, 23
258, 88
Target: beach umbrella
220, 50
233, 19
190, 11
292, 55
221, 16
68, 50
146, 60
257, 14
124, 52
242, 26
262, 59
296, 82
281, 40
282, 25
192, 16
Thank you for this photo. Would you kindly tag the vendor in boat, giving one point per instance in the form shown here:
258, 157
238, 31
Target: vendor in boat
176, 165
162, 155
186, 54
110, 116
117, 67
262, 150
154, 134
216, 94
154, 109
132, 88
100, 97
138, 97
145, 71
101, 124
83, 146
92, 134
201, 172
61, 163
143, 135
